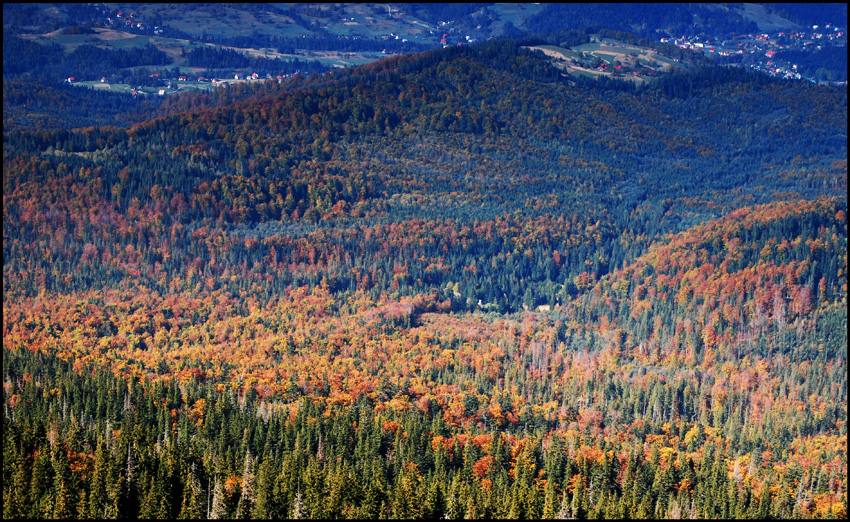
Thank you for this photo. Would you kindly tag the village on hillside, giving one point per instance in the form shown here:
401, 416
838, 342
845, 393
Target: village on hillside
774, 53
759, 51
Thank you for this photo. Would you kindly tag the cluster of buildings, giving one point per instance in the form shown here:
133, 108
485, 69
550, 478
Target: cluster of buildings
127, 20
758, 51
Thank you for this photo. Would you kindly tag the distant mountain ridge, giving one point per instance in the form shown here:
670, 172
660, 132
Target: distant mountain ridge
492, 129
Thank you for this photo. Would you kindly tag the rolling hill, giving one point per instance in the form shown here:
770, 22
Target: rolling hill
453, 283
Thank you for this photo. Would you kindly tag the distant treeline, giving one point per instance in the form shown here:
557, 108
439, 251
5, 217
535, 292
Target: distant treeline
217, 58
85, 62
36, 104
21, 18
811, 63
806, 13
91, 57
439, 12
641, 18
20, 56
288, 45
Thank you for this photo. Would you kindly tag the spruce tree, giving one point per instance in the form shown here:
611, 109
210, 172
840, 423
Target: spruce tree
765, 502
532, 505
41, 497
63, 494
298, 511
191, 507
15, 498
219, 505
550, 500
82, 505
98, 498
263, 507
248, 496
565, 512
434, 505
471, 512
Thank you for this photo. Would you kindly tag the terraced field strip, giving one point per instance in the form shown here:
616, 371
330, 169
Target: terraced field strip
605, 57
553, 51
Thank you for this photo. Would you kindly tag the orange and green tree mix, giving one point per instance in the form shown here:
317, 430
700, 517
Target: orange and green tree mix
453, 284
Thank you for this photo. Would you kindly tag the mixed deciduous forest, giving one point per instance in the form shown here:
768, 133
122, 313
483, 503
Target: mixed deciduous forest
454, 284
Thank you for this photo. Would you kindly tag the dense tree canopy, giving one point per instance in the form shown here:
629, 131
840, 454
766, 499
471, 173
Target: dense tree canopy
454, 284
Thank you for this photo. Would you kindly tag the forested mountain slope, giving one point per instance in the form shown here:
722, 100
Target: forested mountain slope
453, 283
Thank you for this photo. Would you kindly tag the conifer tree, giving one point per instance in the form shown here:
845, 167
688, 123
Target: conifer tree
130, 500
472, 510
248, 496
579, 500
191, 507
40, 500
454, 509
298, 511
15, 501
645, 509
406, 503
764, 502
517, 501
663, 484
264, 506
434, 505
375, 493
550, 500
63, 494
219, 506
565, 512
150, 501
532, 507
163, 493
82, 504
114, 491
98, 498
